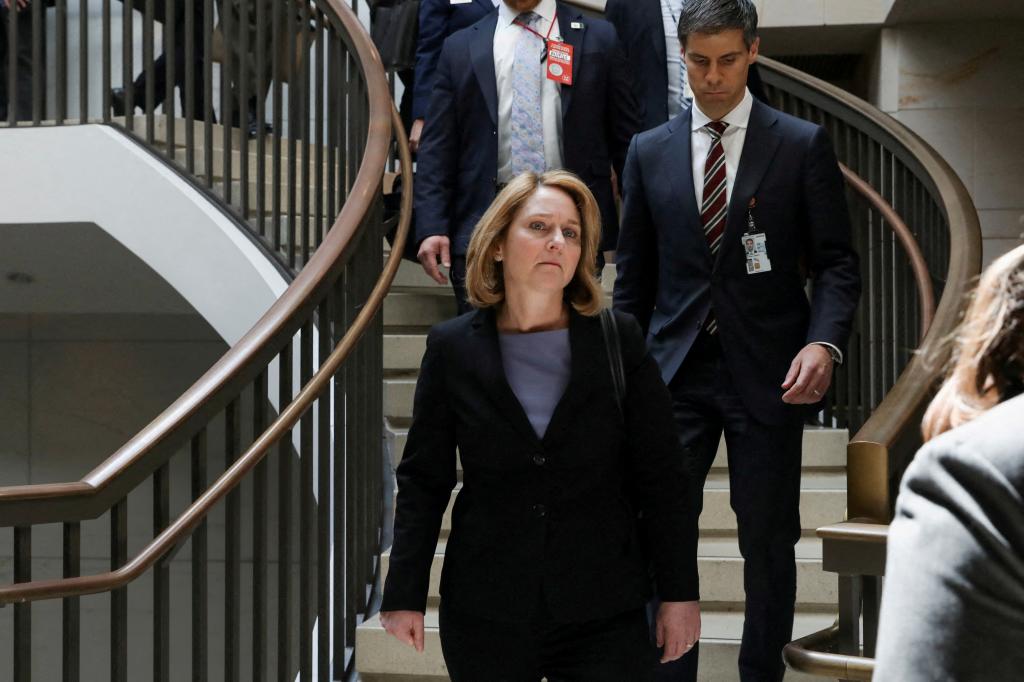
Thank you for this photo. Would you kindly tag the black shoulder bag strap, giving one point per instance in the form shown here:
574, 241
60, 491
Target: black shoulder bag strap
612, 344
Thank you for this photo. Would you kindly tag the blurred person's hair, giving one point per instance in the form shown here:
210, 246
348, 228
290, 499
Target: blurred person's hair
986, 365
485, 281
715, 16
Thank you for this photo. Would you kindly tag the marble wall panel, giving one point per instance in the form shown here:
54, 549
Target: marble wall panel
994, 248
957, 65
1003, 224
999, 159
951, 132
789, 13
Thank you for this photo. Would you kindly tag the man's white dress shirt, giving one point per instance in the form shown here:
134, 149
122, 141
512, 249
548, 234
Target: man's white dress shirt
505, 36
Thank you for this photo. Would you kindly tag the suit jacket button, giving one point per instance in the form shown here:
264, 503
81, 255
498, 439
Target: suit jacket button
539, 460
540, 510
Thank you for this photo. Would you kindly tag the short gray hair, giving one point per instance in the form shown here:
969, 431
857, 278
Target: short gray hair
715, 16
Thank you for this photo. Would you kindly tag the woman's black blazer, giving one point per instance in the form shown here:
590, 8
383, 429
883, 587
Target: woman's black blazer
552, 519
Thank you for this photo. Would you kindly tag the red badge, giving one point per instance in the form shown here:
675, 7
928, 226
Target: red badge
559, 62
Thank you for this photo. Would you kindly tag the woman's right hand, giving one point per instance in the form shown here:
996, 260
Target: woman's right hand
406, 626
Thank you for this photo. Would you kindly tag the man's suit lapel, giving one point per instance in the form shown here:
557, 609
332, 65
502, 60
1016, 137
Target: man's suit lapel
758, 151
481, 54
679, 157
567, 18
492, 373
486, 4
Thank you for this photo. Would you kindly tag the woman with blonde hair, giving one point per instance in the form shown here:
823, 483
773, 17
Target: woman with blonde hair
953, 604
543, 571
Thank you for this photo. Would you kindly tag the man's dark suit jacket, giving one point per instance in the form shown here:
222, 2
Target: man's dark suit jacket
438, 20
552, 518
457, 167
668, 280
641, 29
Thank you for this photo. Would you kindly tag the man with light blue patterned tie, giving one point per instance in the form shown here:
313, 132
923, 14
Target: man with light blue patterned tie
494, 114
660, 72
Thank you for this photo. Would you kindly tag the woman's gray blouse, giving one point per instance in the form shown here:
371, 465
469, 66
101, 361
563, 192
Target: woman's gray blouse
537, 366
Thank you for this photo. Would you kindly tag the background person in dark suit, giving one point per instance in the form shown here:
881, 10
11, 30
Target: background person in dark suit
737, 341
953, 603
648, 31
495, 114
438, 20
543, 571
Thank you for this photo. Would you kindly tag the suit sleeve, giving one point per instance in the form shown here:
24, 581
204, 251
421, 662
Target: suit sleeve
636, 260
433, 28
623, 109
658, 471
425, 478
831, 259
953, 603
437, 161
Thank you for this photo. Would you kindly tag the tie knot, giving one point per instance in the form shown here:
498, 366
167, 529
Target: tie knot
528, 18
717, 128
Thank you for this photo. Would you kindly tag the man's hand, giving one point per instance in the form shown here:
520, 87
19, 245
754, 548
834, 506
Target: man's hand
20, 4
415, 134
809, 376
406, 626
677, 628
432, 249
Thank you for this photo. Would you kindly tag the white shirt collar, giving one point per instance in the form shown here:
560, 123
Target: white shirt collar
546, 9
739, 117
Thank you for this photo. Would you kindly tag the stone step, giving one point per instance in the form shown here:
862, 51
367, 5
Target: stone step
411, 276
823, 448
404, 352
822, 501
382, 658
418, 308
160, 128
721, 573
398, 396
217, 160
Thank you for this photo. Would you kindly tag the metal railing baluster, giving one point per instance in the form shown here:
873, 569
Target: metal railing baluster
22, 659
285, 537
71, 621
200, 578
161, 579
232, 551
260, 500
119, 596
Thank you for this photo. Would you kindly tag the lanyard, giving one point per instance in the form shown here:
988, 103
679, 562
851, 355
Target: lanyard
546, 39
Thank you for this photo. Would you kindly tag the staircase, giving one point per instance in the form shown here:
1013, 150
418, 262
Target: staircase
414, 304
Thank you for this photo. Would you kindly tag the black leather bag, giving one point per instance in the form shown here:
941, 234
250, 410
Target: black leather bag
395, 26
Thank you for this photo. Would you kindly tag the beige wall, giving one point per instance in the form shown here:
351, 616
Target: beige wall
961, 87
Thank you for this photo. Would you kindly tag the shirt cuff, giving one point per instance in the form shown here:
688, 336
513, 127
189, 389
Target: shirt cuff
837, 355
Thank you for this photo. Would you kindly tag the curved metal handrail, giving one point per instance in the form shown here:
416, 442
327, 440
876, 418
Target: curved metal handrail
925, 291
111, 479
179, 530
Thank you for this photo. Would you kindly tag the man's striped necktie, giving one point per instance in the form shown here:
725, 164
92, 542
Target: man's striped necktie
715, 205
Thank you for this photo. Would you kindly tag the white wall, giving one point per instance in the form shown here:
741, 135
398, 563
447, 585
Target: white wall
960, 86
93, 174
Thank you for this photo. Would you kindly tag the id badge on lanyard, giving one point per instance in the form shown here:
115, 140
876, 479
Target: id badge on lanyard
755, 245
558, 55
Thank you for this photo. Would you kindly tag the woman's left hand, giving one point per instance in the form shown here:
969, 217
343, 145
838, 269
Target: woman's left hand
678, 628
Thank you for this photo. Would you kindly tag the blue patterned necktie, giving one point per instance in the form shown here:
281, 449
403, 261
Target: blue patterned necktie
527, 143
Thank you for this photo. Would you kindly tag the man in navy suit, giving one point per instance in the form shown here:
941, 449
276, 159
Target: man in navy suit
647, 29
498, 109
727, 210
438, 20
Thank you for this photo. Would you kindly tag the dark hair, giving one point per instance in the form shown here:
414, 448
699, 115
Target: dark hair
715, 16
